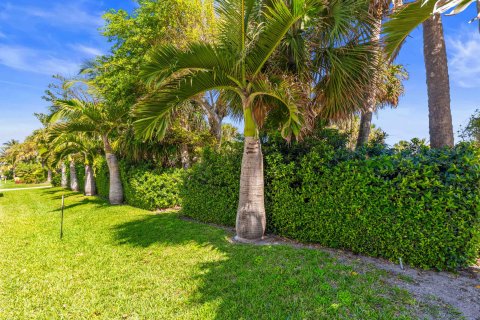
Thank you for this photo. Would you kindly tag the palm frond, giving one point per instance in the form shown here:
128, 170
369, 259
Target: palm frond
403, 21
152, 113
278, 19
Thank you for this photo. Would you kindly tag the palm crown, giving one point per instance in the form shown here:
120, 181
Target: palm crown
235, 63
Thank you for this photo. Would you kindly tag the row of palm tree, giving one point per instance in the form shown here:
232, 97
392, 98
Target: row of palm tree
276, 63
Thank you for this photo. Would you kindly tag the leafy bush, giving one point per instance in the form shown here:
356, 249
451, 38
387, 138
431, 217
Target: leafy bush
422, 207
56, 178
149, 188
31, 172
100, 169
210, 191
417, 204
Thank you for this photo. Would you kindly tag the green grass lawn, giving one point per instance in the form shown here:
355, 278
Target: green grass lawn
126, 263
11, 185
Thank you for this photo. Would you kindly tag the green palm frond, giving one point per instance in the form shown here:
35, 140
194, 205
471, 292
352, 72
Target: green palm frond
403, 22
344, 83
167, 61
152, 113
278, 19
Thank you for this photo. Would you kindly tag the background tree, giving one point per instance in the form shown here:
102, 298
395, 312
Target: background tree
402, 23
98, 118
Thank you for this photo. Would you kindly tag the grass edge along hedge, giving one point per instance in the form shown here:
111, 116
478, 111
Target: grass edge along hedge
422, 206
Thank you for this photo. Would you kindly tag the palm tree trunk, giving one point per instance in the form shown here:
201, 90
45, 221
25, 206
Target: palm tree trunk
184, 156
115, 195
438, 85
215, 128
90, 187
73, 177
64, 181
365, 127
49, 175
251, 218
371, 99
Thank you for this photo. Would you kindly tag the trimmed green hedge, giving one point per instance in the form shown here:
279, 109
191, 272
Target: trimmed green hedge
149, 188
423, 208
420, 205
100, 169
210, 191
144, 186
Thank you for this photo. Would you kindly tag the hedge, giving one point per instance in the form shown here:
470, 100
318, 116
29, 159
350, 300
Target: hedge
144, 185
100, 169
420, 205
149, 188
210, 191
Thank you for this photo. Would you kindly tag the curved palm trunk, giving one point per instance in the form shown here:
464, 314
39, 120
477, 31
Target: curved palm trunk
64, 181
438, 85
90, 187
73, 177
371, 101
115, 195
251, 218
49, 176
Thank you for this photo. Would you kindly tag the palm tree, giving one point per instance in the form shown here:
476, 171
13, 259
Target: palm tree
238, 65
397, 29
10, 153
98, 118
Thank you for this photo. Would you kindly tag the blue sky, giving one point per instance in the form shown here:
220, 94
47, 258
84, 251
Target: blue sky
39, 38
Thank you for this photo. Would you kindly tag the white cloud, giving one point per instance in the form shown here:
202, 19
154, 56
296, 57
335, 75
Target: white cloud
37, 61
89, 51
464, 64
67, 14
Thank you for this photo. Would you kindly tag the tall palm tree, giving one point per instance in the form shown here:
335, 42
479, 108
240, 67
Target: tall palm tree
250, 32
99, 119
235, 65
377, 10
428, 13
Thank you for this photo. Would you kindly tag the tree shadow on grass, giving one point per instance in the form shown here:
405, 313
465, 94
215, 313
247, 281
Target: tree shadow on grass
267, 282
56, 194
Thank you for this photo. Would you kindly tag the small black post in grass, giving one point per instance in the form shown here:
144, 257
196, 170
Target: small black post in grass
61, 221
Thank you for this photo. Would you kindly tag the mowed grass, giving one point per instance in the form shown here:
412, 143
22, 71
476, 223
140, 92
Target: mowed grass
126, 263
11, 185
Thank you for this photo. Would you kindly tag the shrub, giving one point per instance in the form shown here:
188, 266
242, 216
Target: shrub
422, 207
31, 172
149, 188
210, 191
100, 169
417, 204
56, 178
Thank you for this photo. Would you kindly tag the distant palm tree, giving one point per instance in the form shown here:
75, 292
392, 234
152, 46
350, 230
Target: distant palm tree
68, 144
97, 118
401, 24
